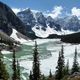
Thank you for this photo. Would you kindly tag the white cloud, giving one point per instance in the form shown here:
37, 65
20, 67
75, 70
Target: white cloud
57, 10
35, 11
75, 11
16, 10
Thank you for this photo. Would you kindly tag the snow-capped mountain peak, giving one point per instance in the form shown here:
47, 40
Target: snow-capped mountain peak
39, 24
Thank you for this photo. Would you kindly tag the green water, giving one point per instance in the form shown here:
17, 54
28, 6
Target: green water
26, 53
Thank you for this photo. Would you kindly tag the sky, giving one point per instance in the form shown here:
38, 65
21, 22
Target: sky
56, 7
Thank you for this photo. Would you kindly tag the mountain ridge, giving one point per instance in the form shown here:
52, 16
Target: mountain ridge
36, 25
38, 21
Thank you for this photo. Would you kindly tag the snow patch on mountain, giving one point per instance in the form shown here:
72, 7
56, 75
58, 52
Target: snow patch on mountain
41, 33
14, 36
44, 33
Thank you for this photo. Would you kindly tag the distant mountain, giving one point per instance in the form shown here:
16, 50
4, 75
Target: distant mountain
37, 23
71, 23
27, 17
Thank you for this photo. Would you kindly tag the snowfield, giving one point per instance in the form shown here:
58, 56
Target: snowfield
14, 36
41, 33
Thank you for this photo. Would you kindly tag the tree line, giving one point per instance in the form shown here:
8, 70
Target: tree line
63, 72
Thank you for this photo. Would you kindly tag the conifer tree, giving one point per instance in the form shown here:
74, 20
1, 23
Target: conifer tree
36, 64
30, 76
66, 69
43, 77
50, 74
60, 66
58, 74
15, 67
62, 55
75, 67
14, 76
3, 72
18, 71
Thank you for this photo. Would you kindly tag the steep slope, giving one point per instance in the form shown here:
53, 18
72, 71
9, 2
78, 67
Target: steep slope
9, 20
18, 36
4, 38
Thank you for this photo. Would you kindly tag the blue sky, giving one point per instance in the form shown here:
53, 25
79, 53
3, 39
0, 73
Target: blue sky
42, 4
70, 6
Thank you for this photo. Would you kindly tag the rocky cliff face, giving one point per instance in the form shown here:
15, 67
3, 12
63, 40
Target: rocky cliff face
9, 20
38, 24
31, 19
71, 23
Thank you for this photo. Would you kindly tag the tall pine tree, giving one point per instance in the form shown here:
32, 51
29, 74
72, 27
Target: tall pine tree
66, 69
3, 72
36, 64
14, 67
50, 74
30, 76
18, 71
75, 67
60, 67
62, 55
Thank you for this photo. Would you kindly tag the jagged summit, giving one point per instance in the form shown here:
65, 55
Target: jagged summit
37, 21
